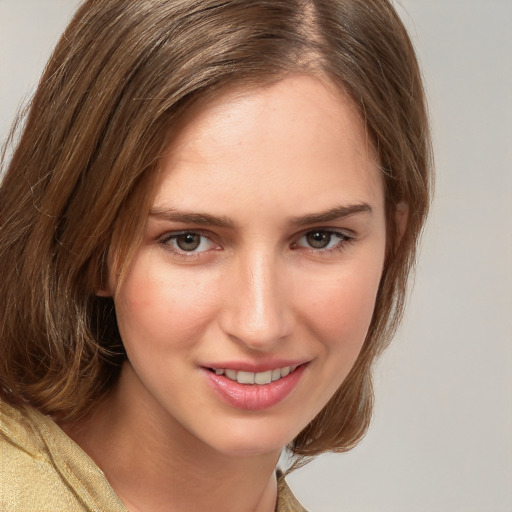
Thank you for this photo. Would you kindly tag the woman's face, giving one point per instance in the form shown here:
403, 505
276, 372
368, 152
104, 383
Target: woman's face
251, 295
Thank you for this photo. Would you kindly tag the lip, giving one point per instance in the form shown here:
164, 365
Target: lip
253, 397
247, 366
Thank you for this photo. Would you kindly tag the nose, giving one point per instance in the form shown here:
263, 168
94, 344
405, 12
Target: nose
258, 312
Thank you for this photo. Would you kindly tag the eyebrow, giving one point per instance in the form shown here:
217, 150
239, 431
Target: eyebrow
201, 219
205, 219
336, 213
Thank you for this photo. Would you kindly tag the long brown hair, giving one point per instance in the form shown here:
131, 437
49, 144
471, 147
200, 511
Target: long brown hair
117, 88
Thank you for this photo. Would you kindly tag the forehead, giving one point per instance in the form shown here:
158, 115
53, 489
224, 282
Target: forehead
301, 136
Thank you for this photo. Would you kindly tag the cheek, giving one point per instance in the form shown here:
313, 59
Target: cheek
340, 309
159, 307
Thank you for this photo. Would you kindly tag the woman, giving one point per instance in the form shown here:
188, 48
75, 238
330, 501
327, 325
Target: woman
210, 218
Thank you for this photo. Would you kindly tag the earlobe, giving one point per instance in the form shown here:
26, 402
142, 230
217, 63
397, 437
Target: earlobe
102, 292
401, 218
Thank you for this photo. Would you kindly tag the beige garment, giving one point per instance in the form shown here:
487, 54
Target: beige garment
44, 470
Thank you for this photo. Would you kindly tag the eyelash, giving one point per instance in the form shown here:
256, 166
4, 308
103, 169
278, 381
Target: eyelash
167, 240
344, 239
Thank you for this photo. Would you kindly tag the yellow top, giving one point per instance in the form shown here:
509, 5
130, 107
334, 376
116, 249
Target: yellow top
44, 470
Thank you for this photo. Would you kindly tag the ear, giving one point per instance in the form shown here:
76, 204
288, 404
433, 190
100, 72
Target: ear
103, 285
401, 218
102, 292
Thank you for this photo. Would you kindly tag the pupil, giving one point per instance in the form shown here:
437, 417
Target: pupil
319, 239
188, 241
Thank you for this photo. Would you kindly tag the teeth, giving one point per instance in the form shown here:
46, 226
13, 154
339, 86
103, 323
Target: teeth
256, 378
263, 377
245, 377
230, 374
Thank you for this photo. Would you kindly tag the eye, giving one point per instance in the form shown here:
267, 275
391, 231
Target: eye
323, 240
188, 242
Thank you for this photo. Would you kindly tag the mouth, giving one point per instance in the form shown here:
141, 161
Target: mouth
257, 378
253, 391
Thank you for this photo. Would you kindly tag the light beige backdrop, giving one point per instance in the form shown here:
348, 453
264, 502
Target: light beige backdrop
441, 439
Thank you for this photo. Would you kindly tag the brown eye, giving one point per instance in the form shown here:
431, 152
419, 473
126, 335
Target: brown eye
318, 239
188, 241
323, 240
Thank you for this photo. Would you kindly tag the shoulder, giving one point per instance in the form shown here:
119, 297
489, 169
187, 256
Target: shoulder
42, 469
28, 477
286, 501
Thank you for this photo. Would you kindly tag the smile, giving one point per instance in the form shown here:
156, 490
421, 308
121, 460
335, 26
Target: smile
247, 390
259, 378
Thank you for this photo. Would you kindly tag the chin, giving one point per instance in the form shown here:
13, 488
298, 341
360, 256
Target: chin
246, 440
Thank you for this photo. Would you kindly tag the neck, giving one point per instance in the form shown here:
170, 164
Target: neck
157, 466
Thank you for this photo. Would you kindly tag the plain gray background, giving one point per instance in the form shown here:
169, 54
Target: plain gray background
441, 439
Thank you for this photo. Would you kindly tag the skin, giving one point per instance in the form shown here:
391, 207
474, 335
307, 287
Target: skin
267, 162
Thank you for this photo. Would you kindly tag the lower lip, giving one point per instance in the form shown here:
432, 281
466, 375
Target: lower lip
253, 397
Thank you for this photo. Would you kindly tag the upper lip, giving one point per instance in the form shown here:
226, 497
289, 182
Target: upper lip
254, 367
